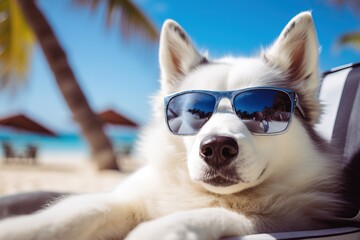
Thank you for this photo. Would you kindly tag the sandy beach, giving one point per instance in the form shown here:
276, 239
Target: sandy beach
70, 176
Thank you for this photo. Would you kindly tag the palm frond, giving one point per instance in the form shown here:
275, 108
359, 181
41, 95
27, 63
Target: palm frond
352, 39
16, 43
127, 16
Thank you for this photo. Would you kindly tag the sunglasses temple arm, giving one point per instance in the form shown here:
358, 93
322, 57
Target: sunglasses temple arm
298, 106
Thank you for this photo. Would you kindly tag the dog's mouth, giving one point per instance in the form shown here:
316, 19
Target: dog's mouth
220, 181
224, 178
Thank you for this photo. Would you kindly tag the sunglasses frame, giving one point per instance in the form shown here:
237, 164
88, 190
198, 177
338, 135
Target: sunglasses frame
219, 95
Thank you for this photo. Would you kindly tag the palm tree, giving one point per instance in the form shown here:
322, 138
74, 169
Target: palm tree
127, 15
132, 21
351, 39
16, 41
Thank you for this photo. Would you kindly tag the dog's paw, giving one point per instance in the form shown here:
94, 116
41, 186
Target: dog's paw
189, 225
163, 231
198, 224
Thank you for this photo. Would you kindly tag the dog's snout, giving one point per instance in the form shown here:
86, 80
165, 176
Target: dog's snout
218, 151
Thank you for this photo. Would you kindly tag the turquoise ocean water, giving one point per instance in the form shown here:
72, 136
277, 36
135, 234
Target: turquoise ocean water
65, 142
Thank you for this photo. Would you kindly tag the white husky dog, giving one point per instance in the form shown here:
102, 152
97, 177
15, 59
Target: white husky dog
237, 154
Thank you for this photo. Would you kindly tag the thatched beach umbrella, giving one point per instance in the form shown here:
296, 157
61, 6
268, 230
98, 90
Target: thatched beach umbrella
112, 117
25, 123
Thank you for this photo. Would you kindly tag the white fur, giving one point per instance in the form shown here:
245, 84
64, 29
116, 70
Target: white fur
168, 200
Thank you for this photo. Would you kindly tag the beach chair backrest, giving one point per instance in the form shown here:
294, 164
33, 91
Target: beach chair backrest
340, 124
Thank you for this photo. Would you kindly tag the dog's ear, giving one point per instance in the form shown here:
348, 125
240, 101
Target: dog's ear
295, 53
177, 54
296, 49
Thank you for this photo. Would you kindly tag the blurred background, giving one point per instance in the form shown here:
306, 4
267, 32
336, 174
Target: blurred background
76, 75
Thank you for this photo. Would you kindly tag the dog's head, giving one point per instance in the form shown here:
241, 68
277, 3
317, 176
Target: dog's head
224, 156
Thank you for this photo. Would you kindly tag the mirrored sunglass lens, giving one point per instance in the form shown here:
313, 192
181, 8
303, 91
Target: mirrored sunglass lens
188, 112
264, 111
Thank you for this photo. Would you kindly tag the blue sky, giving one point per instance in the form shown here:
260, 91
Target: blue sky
124, 74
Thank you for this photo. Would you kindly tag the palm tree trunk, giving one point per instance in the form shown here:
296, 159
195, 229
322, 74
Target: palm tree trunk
91, 126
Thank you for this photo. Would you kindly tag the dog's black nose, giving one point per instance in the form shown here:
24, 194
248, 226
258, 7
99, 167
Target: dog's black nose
218, 151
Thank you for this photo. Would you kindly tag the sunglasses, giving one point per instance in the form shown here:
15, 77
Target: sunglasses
264, 110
